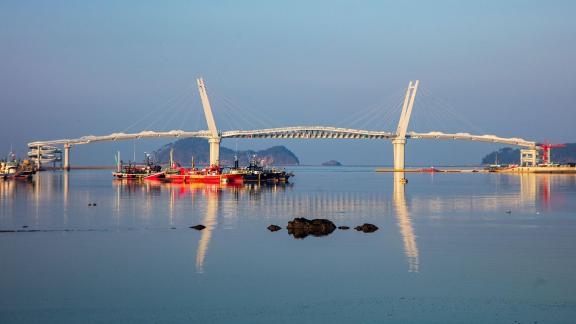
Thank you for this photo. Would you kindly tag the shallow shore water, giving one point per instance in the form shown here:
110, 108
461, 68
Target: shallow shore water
80, 247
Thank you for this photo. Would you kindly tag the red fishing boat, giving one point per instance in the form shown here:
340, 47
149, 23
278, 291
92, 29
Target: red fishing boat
431, 169
213, 174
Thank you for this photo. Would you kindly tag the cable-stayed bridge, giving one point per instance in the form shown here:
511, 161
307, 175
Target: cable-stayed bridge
214, 136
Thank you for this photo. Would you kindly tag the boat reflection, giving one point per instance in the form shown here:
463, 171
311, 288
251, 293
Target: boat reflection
206, 198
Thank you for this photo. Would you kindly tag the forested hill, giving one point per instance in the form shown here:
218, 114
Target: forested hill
185, 148
508, 155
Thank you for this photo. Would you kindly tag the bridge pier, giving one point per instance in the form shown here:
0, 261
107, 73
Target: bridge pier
66, 166
214, 150
399, 146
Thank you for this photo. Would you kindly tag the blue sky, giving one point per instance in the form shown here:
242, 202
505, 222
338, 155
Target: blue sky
73, 68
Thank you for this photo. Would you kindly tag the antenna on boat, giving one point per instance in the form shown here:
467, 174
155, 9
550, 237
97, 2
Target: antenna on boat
171, 156
193, 164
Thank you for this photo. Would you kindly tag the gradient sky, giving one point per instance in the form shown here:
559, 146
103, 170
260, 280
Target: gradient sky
73, 68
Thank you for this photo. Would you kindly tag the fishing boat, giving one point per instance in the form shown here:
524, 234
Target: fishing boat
175, 173
136, 171
212, 174
133, 171
255, 172
16, 169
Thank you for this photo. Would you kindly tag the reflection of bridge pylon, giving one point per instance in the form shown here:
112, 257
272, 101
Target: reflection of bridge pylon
405, 224
210, 221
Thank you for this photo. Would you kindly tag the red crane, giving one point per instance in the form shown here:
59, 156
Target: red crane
546, 146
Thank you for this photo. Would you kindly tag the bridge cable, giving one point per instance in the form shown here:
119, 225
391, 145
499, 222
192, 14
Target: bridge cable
181, 108
391, 117
258, 117
430, 113
425, 117
156, 109
231, 119
240, 113
187, 115
446, 108
168, 112
368, 116
388, 118
360, 115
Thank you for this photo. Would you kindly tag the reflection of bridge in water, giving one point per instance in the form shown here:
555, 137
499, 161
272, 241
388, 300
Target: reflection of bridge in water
405, 224
219, 204
273, 200
167, 205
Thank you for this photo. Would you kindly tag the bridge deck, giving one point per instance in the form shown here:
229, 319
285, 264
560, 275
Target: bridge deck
299, 132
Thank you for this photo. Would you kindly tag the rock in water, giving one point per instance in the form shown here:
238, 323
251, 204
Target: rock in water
274, 228
198, 227
302, 227
366, 228
332, 163
343, 227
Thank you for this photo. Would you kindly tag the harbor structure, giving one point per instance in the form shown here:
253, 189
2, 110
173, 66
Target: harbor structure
44, 154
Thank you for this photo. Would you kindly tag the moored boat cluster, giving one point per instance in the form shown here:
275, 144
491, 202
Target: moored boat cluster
17, 169
175, 173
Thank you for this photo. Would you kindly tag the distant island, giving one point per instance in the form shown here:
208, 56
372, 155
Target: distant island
332, 163
508, 155
185, 148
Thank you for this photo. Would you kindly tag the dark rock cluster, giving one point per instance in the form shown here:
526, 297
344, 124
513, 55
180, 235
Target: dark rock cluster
366, 228
302, 227
274, 228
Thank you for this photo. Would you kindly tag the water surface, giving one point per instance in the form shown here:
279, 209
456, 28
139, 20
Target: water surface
451, 248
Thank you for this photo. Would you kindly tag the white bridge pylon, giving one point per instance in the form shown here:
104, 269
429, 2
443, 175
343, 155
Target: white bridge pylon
214, 137
399, 142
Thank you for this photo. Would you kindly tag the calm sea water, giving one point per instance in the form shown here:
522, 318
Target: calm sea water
451, 248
